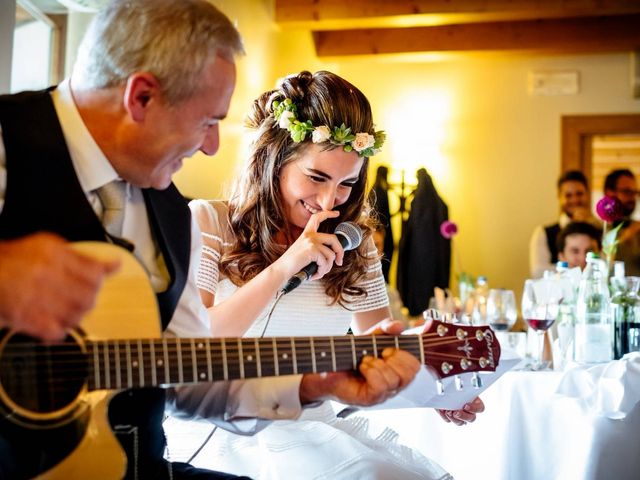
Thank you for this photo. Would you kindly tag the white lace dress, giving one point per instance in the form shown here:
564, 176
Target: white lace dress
318, 445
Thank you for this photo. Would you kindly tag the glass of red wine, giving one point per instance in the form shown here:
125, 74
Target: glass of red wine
540, 306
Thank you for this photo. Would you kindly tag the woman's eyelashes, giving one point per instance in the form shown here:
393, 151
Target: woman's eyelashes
317, 179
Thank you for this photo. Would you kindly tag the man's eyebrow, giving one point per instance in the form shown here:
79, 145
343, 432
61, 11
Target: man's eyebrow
320, 173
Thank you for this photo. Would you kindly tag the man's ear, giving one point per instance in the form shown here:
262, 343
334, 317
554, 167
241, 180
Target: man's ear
141, 89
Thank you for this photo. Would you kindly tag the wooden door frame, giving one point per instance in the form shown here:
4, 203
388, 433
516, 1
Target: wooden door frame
578, 132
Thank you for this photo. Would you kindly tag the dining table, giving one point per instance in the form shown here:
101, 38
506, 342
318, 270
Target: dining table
579, 423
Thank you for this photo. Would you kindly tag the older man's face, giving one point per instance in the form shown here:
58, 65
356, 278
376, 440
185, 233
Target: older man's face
171, 133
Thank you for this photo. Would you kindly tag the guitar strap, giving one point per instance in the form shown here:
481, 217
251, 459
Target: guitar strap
43, 193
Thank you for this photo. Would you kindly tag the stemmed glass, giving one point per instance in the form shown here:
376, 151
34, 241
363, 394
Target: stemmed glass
541, 301
501, 309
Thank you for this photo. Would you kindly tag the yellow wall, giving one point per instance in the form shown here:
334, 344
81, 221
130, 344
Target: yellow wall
493, 149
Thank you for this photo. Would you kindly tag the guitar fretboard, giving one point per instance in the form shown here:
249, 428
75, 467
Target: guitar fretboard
121, 364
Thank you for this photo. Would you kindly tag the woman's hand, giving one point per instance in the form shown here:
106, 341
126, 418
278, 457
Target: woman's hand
311, 246
466, 414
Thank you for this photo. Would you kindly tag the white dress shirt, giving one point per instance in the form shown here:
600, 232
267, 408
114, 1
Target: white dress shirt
229, 404
539, 253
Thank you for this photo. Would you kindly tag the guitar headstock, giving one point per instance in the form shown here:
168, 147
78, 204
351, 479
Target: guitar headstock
452, 348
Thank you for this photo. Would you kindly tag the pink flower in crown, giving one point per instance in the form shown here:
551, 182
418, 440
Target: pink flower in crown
448, 229
609, 209
363, 141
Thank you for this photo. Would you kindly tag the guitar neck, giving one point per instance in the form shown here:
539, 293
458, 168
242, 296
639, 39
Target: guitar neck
121, 364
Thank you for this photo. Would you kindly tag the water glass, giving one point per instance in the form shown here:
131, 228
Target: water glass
501, 309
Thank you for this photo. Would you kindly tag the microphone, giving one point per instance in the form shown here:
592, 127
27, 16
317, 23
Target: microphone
349, 235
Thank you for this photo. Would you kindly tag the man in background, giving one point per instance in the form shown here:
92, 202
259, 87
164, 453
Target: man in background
573, 200
621, 184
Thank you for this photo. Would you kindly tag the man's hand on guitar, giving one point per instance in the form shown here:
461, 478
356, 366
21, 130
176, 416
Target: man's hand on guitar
45, 286
378, 380
466, 414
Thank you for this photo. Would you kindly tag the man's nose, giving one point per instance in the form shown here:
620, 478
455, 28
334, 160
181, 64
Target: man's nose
211, 141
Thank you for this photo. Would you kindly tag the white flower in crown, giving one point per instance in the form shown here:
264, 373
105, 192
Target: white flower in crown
363, 141
285, 118
321, 134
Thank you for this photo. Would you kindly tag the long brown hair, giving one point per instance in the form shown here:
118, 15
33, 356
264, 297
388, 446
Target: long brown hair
256, 214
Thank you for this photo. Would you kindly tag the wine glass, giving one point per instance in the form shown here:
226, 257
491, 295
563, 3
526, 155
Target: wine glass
541, 301
501, 309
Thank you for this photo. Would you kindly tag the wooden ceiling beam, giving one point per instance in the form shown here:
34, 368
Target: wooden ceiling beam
586, 34
318, 11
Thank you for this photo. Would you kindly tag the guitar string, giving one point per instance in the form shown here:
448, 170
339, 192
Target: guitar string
80, 362
201, 369
188, 356
187, 349
217, 357
185, 343
186, 353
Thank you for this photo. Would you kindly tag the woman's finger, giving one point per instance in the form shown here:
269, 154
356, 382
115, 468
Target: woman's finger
317, 218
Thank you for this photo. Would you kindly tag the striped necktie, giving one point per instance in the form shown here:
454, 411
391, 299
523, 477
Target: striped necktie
112, 197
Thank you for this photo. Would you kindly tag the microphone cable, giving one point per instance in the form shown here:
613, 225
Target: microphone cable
279, 295
197, 451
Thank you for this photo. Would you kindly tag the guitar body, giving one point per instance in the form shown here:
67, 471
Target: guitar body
70, 437
98, 453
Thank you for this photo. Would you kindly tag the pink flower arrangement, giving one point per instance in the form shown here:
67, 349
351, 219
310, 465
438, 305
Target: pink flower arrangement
609, 209
448, 229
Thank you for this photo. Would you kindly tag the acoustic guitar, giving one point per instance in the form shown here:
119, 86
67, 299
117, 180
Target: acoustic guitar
63, 389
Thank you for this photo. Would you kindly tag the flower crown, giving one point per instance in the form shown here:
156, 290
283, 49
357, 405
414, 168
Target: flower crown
365, 144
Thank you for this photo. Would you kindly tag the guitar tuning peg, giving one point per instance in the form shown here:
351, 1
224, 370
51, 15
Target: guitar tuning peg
431, 314
465, 363
459, 383
439, 387
476, 380
447, 317
461, 334
441, 330
446, 367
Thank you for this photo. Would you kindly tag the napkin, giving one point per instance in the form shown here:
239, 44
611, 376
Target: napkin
609, 389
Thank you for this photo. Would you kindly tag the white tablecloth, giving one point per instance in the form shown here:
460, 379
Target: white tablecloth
580, 424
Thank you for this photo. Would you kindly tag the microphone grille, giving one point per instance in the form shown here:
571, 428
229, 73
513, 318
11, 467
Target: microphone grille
351, 232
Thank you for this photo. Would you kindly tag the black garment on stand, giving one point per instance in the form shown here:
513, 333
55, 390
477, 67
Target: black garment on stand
424, 255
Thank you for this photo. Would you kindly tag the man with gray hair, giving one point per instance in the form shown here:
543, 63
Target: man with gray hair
152, 82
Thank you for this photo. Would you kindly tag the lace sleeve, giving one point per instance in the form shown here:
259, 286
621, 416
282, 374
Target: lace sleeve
210, 216
373, 283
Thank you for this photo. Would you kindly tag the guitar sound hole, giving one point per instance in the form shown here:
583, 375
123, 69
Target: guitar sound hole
42, 378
